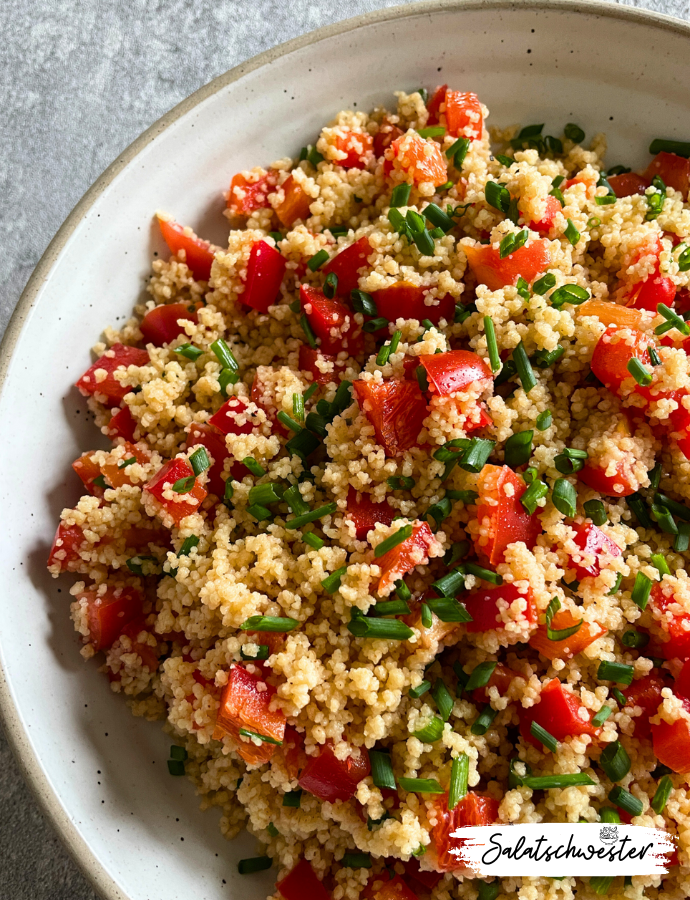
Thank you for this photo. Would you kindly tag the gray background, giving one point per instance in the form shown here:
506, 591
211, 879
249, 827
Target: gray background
78, 82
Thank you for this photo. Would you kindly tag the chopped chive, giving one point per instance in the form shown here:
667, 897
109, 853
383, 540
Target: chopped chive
176, 767
680, 148
228, 493
564, 497
430, 733
263, 652
497, 196
563, 633
522, 288
475, 457
487, 890
641, 590
363, 303
639, 372
331, 584
684, 258
178, 753
524, 368
568, 293
443, 699
673, 320
259, 512
254, 467
310, 391
626, 801
265, 494
381, 629
637, 505
256, 864
655, 476
391, 608
676, 508
451, 584
544, 284
277, 624
546, 782
313, 540
544, 420
600, 884
272, 830
295, 501
636, 640
484, 720
663, 792
432, 131
448, 609
302, 443
187, 545
458, 151
491, 344
308, 332
620, 697
292, 799
467, 497
574, 133
480, 676
382, 770
245, 732
570, 460
572, 233
189, 351
682, 541
356, 861
127, 462
506, 161
437, 217
427, 617
543, 736
615, 671
184, 485
534, 493
615, 761
288, 421
312, 516
400, 195
484, 574
420, 690
402, 534
593, 222
459, 774
317, 260
595, 510
420, 785
330, 285
225, 355
439, 511
655, 201
608, 814
518, 448
226, 377
462, 676
402, 591
400, 483
658, 560
607, 200
603, 714
298, 407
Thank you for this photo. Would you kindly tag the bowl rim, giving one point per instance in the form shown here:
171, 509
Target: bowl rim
28, 761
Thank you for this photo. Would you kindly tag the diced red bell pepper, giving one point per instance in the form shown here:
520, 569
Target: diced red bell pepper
245, 703
546, 223
474, 809
89, 470
557, 712
414, 551
612, 314
403, 300
614, 351
107, 614
570, 646
395, 889
672, 744
681, 303
628, 184
171, 472
293, 746
161, 325
645, 693
198, 253
331, 321
265, 271
420, 159
139, 537
455, 370
655, 289
233, 418
427, 879
673, 170
147, 654
488, 268
593, 543
331, 779
347, 265
113, 359
681, 686
618, 485
245, 196
214, 442
396, 409
463, 115
122, 424
387, 133
66, 544
501, 678
295, 204
357, 145
365, 513
116, 476
302, 884
482, 605
502, 518
308, 359
678, 644
434, 104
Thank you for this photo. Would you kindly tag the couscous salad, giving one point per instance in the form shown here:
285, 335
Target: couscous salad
394, 527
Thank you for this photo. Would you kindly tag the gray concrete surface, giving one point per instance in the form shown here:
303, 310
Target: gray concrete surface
79, 80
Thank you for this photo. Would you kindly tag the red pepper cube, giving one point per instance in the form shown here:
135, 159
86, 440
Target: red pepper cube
412, 552
117, 357
347, 265
233, 418
308, 362
265, 271
474, 809
198, 253
395, 889
419, 159
595, 546
546, 223
357, 146
214, 442
122, 425
527, 261
502, 518
331, 779
331, 321
463, 115
456, 370
673, 170
483, 606
176, 505
404, 300
569, 647
627, 184
302, 884
365, 513
433, 107
613, 352
672, 743
107, 614
66, 545
245, 196
645, 693
161, 325
557, 712
396, 409
295, 204
245, 703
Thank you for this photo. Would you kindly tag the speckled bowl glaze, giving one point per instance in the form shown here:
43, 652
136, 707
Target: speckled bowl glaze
99, 773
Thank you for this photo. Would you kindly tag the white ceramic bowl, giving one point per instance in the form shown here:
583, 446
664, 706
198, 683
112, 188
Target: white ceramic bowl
99, 773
